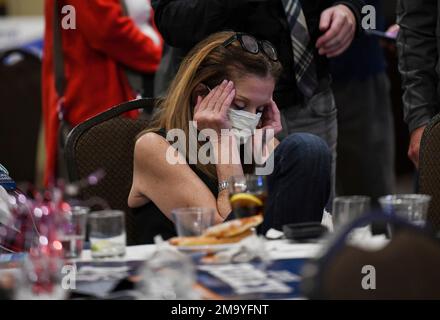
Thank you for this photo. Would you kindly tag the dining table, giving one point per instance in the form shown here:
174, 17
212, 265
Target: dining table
279, 278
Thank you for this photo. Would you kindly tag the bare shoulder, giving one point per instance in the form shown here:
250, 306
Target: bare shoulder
149, 141
150, 146
148, 150
154, 154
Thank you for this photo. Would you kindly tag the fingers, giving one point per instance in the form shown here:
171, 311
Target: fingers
274, 107
228, 101
199, 102
339, 45
340, 31
326, 18
269, 111
215, 100
413, 155
206, 102
414, 145
217, 92
224, 99
393, 29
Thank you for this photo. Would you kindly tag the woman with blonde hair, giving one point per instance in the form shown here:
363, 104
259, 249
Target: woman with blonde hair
224, 89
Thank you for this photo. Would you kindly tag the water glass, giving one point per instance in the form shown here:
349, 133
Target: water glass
412, 207
349, 208
191, 222
41, 278
107, 233
73, 232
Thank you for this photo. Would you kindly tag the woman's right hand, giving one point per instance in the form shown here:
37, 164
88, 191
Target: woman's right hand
211, 112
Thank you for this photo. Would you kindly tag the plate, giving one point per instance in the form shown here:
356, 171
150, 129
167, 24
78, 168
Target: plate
208, 248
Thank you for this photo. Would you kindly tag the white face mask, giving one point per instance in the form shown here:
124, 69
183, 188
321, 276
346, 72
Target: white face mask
243, 124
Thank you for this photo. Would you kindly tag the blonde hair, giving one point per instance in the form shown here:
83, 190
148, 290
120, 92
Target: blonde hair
207, 63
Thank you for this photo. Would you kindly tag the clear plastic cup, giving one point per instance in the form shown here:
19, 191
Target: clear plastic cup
348, 208
191, 222
412, 207
73, 233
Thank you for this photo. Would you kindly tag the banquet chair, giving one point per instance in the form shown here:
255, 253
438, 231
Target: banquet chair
429, 170
106, 142
405, 268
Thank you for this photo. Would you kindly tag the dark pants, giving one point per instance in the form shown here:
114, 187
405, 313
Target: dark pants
299, 187
365, 162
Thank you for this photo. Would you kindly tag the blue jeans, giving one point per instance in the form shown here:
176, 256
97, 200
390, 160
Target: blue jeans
299, 187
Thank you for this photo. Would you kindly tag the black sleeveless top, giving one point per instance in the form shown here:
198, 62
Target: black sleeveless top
150, 221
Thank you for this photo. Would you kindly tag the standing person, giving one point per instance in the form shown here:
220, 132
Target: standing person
304, 32
418, 48
365, 163
95, 54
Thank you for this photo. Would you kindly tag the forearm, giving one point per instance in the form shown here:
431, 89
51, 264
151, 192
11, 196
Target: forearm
227, 165
418, 58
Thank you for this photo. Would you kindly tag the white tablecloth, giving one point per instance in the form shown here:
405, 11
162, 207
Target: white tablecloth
278, 249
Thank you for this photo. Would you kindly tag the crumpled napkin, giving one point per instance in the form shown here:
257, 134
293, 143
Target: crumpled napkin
250, 248
93, 273
327, 220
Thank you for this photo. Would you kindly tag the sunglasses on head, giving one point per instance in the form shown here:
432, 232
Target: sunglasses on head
252, 45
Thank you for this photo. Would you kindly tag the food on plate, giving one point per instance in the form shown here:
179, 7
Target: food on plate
205, 241
228, 232
233, 227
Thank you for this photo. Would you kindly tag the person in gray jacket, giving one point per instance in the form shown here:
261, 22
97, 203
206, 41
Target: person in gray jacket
418, 46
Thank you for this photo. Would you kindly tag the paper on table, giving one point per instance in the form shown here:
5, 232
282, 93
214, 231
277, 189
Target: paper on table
246, 279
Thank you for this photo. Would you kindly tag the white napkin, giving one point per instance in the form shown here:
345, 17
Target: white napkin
250, 248
327, 220
93, 273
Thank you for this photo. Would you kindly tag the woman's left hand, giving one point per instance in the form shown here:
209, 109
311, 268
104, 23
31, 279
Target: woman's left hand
271, 118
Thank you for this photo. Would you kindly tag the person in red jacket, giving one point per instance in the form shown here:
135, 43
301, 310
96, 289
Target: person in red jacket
96, 54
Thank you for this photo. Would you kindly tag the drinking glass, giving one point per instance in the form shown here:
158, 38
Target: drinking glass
41, 278
107, 234
247, 195
348, 208
191, 222
412, 207
73, 232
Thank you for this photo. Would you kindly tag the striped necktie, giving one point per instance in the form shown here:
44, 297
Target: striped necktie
303, 51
